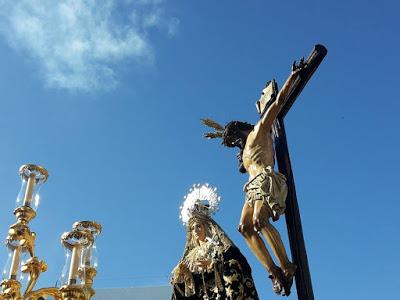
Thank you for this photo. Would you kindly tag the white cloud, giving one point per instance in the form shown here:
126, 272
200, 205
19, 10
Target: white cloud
78, 43
156, 19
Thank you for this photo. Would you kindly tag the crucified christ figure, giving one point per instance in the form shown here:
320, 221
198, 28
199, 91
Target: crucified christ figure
266, 189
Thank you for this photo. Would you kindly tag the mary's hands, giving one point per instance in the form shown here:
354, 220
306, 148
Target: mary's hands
204, 264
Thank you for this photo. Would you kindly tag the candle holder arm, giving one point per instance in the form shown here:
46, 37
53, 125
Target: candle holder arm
34, 267
44, 292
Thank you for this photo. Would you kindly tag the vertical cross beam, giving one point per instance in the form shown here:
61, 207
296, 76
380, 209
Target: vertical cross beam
292, 213
292, 217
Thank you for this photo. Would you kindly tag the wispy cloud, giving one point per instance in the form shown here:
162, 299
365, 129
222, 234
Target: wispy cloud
78, 44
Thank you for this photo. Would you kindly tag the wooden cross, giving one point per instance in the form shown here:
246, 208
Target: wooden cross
293, 221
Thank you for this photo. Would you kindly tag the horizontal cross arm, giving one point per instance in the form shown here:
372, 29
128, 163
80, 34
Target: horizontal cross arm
308, 68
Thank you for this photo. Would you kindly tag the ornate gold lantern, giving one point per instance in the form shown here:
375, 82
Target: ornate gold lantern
22, 262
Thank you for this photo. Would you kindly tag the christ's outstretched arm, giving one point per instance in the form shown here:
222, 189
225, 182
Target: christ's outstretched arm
274, 109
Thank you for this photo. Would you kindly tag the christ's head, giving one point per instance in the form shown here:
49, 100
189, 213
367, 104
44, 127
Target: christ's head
235, 134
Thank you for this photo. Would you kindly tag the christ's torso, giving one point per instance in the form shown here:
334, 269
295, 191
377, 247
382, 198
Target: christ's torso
258, 153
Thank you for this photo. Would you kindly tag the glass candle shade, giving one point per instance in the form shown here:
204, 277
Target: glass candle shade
75, 242
33, 177
90, 255
12, 269
73, 273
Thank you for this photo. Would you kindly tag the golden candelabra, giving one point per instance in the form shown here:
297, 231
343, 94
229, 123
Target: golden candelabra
77, 280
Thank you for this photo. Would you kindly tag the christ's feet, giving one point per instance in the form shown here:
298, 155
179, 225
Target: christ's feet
289, 274
278, 280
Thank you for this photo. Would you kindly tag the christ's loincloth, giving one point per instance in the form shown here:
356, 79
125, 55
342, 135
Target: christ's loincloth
271, 188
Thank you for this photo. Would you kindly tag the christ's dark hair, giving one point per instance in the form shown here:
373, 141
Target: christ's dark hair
231, 131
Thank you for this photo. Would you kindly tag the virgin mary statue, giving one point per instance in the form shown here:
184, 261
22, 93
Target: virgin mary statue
211, 267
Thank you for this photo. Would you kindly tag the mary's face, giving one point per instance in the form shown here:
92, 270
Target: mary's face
199, 231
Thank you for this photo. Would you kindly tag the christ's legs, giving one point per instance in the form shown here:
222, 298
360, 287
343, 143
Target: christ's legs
274, 240
262, 214
254, 241
257, 246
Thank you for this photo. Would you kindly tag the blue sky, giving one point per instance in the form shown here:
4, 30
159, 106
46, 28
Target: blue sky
108, 96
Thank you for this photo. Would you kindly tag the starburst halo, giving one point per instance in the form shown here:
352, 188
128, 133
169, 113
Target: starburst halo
201, 198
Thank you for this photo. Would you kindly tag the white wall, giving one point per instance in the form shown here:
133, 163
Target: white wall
142, 293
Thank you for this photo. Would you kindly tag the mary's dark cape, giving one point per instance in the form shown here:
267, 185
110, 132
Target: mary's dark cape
236, 279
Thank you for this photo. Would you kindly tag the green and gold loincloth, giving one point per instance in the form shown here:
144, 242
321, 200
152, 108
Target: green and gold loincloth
270, 187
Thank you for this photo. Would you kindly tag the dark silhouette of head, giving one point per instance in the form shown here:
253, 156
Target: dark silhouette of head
235, 134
